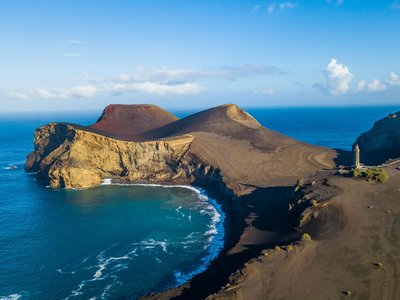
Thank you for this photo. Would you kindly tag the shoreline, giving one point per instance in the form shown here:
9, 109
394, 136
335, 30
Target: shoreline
242, 241
216, 245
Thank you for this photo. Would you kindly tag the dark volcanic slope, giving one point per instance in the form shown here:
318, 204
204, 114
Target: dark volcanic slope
247, 154
382, 141
129, 121
226, 119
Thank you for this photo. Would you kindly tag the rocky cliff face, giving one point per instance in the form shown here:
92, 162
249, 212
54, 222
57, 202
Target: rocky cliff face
382, 141
73, 158
223, 146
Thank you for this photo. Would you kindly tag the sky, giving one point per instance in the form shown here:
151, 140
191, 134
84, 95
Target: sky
82, 55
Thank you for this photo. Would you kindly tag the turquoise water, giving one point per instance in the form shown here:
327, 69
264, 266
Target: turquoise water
121, 241
106, 242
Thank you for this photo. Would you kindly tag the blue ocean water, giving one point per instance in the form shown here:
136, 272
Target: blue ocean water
105, 242
121, 241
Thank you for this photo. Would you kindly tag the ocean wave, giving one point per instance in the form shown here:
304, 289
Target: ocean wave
158, 260
14, 166
11, 297
105, 269
151, 244
215, 235
104, 262
108, 181
11, 167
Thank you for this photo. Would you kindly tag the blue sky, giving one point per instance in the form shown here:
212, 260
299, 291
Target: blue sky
83, 55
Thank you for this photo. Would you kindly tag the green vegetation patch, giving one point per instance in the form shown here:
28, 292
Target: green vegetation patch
306, 237
371, 174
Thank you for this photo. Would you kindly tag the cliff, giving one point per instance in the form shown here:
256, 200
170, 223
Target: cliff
223, 146
382, 141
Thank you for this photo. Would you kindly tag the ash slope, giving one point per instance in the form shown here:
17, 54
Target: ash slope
222, 146
354, 253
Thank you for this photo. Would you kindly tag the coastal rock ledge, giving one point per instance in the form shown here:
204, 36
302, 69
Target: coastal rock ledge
223, 146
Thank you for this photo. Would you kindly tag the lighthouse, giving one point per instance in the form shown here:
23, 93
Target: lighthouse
357, 156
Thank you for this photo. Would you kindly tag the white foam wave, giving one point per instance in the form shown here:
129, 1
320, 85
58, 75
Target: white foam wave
215, 235
151, 244
103, 263
111, 263
77, 292
11, 167
107, 289
106, 181
190, 235
11, 297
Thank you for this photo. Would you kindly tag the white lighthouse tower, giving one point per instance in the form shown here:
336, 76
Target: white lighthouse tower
357, 156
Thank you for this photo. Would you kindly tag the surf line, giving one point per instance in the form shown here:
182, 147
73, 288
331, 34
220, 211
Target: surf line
216, 227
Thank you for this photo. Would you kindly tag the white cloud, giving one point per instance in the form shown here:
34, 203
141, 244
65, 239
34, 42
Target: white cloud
163, 89
44, 93
183, 75
280, 6
271, 8
83, 91
395, 5
89, 91
338, 78
154, 88
123, 77
394, 79
20, 95
161, 81
374, 86
286, 5
361, 86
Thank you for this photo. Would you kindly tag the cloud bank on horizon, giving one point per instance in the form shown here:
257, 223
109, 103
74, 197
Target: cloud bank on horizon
259, 53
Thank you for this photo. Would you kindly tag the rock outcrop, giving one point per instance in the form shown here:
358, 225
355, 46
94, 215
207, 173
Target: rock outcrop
382, 141
223, 146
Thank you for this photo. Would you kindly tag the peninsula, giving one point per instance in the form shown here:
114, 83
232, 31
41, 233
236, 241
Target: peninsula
295, 227
223, 146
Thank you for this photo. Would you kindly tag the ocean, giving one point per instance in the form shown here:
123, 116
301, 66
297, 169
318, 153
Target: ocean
123, 241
